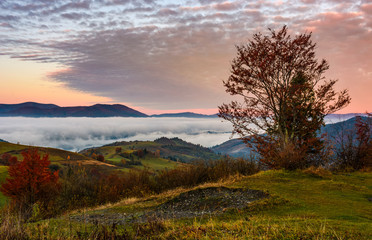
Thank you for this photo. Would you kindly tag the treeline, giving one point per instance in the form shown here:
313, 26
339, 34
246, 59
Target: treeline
78, 187
346, 149
353, 150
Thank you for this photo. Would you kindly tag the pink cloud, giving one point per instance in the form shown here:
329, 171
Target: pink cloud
367, 8
345, 41
194, 9
59, 72
226, 6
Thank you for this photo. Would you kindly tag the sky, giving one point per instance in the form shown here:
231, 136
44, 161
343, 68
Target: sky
166, 56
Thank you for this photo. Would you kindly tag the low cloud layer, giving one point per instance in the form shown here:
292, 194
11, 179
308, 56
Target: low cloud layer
75, 134
78, 133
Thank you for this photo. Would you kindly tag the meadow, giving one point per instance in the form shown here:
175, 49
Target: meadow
300, 205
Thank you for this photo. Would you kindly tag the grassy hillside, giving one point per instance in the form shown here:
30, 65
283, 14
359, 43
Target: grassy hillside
55, 155
173, 149
296, 205
113, 160
3, 175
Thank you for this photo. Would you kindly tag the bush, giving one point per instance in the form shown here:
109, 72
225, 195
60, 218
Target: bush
31, 182
11, 225
100, 158
276, 154
7, 159
85, 188
203, 171
79, 188
355, 146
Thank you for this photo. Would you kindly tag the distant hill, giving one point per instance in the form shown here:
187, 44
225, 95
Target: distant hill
178, 148
6, 108
237, 148
233, 148
31, 109
334, 118
334, 130
185, 114
174, 149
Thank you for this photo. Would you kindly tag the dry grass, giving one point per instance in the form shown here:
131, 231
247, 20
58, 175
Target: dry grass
94, 162
317, 172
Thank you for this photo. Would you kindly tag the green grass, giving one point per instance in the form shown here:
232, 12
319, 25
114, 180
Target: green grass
300, 206
6, 147
159, 163
3, 175
149, 161
55, 155
174, 148
339, 197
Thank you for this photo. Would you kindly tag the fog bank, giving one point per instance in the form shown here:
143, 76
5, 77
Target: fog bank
75, 134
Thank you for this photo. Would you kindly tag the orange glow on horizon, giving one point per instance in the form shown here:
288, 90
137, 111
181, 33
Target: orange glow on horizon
32, 85
206, 111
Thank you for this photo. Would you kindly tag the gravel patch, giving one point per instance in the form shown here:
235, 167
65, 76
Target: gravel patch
206, 201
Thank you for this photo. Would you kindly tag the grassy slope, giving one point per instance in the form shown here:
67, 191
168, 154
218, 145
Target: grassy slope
174, 148
3, 175
301, 206
55, 155
59, 157
154, 163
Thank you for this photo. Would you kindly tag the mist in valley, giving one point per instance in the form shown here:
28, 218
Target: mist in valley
75, 134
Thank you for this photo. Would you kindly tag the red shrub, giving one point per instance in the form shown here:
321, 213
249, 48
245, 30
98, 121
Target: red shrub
30, 180
8, 159
100, 158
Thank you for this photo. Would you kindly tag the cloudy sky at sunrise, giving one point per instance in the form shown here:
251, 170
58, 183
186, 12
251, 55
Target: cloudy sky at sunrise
163, 56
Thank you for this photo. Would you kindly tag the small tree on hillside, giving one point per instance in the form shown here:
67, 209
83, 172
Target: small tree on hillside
354, 146
30, 181
285, 98
100, 158
8, 159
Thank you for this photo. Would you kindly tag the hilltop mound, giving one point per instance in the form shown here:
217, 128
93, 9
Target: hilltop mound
210, 201
174, 149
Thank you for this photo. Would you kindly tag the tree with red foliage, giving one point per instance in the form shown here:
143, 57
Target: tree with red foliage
285, 98
355, 145
30, 181
118, 150
100, 158
364, 142
8, 159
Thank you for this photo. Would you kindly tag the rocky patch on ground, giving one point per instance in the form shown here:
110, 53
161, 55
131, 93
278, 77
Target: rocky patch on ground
205, 201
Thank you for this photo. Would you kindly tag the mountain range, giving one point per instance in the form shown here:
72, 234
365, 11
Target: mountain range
237, 148
33, 109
